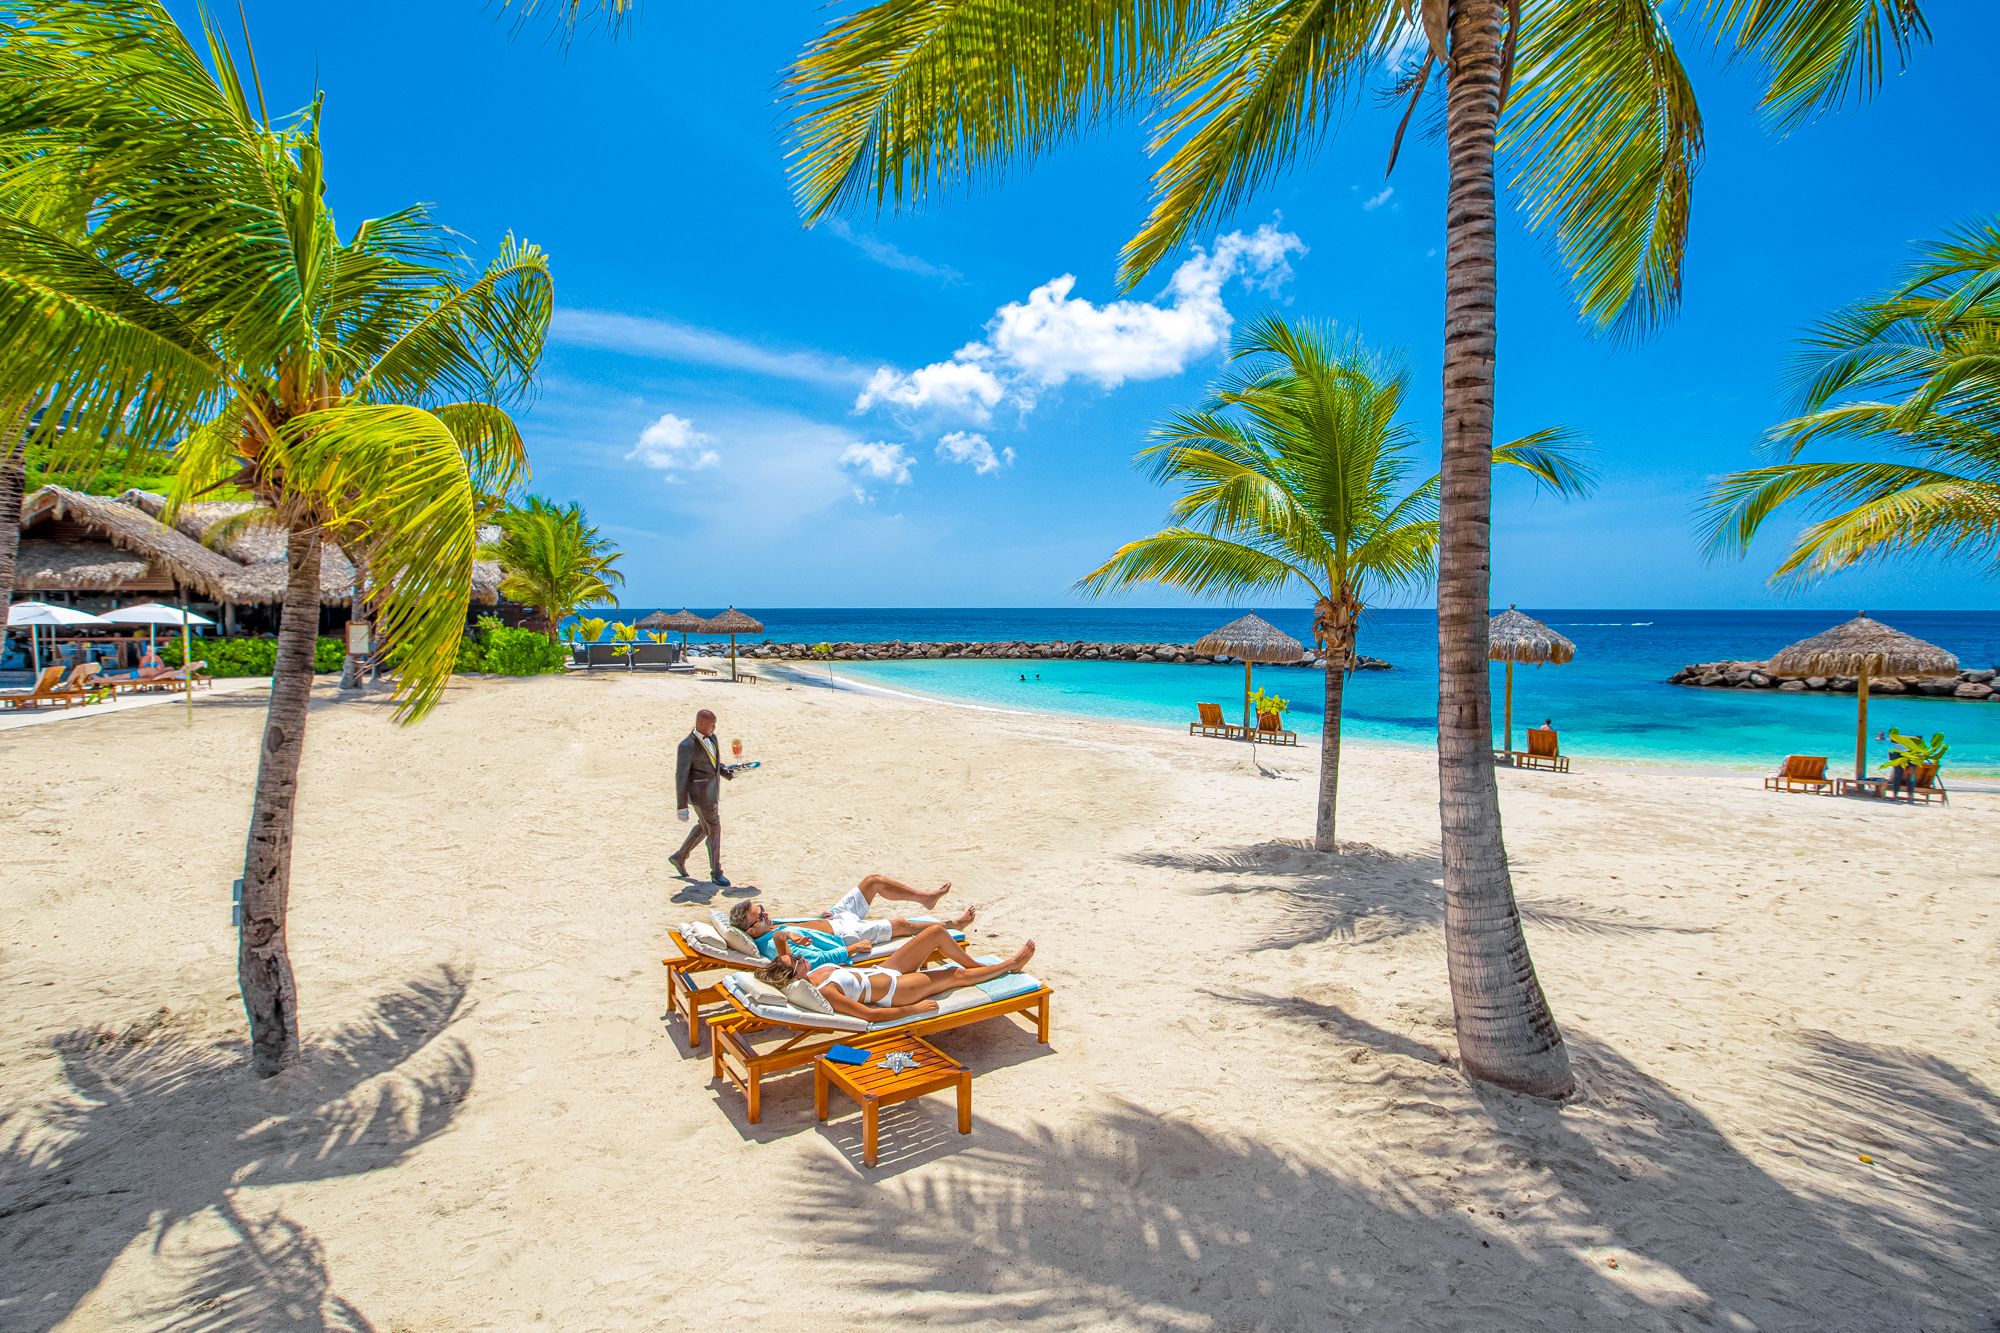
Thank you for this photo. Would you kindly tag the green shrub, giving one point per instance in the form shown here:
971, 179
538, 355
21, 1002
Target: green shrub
249, 657
520, 652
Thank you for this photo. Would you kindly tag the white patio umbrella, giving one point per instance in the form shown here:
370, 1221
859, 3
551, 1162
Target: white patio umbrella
154, 614
33, 614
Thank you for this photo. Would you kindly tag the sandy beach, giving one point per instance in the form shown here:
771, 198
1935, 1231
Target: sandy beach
1248, 1116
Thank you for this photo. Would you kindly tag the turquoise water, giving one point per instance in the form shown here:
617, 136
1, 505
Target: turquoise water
1611, 702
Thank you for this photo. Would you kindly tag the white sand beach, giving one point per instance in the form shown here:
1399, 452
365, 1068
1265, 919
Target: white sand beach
1248, 1117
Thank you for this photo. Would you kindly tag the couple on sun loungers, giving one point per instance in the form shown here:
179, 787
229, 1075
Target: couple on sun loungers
822, 952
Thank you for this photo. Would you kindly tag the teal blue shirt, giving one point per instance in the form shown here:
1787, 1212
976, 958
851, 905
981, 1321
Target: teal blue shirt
819, 950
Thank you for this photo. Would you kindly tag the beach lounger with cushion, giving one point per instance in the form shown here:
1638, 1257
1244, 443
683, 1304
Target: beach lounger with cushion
1801, 772
765, 1033
44, 690
1544, 751
1211, 723
705, 947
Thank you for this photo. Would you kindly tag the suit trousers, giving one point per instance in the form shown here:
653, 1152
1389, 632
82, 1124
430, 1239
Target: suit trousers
708, 824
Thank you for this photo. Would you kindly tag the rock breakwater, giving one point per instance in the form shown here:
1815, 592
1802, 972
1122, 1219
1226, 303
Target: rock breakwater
1016, 650
1973, 685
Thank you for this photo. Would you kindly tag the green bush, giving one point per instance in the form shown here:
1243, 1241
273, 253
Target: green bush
248, 657
495, 649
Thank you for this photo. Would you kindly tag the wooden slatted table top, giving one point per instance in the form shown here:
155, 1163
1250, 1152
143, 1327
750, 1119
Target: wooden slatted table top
935, 1070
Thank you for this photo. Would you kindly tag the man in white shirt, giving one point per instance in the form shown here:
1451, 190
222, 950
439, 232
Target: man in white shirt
698, 775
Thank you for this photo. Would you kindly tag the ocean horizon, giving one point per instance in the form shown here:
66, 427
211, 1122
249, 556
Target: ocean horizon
1611, 702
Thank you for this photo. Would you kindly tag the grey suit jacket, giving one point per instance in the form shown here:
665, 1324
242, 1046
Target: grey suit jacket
696, 778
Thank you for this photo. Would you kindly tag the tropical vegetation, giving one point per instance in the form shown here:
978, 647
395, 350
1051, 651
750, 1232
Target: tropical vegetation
553, 560
1294, 474
356, 385
1912, 375
247, 657
589, 629
494, 648
1588, 103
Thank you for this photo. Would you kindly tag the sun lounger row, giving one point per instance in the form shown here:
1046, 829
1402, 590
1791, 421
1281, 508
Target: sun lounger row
87, 683
1807, 773
757, 1031
1211, 723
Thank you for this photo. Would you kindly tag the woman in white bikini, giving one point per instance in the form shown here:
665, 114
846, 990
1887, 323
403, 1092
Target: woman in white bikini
896, 987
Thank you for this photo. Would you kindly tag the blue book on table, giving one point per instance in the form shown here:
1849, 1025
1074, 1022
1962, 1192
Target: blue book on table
847, 1055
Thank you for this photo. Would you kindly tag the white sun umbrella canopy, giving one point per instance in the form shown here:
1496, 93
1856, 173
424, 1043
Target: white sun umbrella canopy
153, 615
35, 614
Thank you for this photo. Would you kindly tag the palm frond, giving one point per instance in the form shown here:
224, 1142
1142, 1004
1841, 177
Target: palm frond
1195, 562
1818, 53
1557, 457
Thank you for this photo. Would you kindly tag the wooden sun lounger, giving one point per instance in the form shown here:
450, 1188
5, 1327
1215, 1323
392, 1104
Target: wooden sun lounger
1264, 735
1544, 751
1211, 723
736, 1059
46, 689
1801, 772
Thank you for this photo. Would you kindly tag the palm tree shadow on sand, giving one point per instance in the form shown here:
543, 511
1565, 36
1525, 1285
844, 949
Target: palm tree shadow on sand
1312, 897
162, 1132
1143, 1220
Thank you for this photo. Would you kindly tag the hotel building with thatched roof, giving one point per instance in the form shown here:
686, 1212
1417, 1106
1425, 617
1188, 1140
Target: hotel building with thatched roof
100, 552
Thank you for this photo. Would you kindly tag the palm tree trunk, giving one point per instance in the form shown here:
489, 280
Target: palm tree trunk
263, 965
1324, 838
1506, 1034
13, 482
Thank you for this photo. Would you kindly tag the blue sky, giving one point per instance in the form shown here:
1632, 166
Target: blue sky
767, 415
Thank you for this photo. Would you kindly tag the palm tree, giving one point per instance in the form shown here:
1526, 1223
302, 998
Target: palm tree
899, 97
1917, 372
355, 387
1292, 476
553, 560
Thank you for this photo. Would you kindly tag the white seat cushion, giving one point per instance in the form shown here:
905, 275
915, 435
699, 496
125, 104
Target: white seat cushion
755, 996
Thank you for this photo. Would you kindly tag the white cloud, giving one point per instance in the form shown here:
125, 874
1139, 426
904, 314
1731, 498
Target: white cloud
1053, 336
973, 450
887, 255
1374, 202
672, 445
959, 387
671, 340
883, 462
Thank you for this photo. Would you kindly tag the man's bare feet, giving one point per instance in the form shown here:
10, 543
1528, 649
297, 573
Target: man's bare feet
1020, 960
930, 900
963, 919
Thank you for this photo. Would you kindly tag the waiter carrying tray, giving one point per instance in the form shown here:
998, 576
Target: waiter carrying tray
698, 775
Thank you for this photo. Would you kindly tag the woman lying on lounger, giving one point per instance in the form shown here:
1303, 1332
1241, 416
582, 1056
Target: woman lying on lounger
897, 987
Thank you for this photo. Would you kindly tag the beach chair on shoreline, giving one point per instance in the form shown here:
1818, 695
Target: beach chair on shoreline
760, 1037
1801, 772
1211, 723
1264, 735
1544, 751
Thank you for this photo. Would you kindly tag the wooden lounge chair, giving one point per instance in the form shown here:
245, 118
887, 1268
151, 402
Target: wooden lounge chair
1543, 751
1264, 735
44, 690
1211, 723
1801, 772
755, 1040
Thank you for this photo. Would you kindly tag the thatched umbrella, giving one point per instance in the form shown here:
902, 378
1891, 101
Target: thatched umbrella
1862, 648
1512, 637
1253, 639
731, 622
682, 620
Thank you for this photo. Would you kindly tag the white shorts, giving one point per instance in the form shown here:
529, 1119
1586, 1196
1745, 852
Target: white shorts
849, 918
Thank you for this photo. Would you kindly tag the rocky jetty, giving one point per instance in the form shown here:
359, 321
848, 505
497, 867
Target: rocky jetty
1055, 649
1976, 686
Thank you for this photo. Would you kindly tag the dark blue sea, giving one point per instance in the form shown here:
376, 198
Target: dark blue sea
1611, 701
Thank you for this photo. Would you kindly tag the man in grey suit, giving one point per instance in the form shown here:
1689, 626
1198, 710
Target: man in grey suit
698, 775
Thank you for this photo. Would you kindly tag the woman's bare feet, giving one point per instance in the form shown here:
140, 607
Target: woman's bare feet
1020, 959
963, 919
930, 900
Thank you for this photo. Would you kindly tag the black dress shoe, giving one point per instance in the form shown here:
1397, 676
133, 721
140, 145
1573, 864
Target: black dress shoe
719, 878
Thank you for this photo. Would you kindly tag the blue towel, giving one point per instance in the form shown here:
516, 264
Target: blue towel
1008, 986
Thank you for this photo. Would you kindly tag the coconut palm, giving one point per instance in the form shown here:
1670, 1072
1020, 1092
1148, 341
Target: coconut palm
553, 560
1603, 133
355, 387
1915, 372
1292, 476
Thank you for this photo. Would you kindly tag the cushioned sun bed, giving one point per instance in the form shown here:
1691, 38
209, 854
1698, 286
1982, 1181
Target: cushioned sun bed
766, 1034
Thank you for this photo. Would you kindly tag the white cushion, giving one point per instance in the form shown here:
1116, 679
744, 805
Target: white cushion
770, 1004
807, 996
706, 940
741, 942
759, 993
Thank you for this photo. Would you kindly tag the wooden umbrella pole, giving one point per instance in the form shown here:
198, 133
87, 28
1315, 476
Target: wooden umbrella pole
732, 659
1510, 708
1246, 700
187, 665
1861, 726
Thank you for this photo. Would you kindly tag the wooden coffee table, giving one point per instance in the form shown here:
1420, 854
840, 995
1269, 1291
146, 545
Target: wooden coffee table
875, 1086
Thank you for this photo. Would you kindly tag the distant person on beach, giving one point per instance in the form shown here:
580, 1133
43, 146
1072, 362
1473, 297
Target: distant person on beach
698, 775
846, 930
898, 987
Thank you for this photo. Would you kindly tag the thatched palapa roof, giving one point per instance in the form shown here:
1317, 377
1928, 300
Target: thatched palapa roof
1251, 639
123, 539
1863, 645
731, 621
684, 620
1513, 637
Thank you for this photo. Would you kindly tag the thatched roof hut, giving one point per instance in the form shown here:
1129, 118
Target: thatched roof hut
684, 620
1863, 647
93, 543
1513, 637
1251, 639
